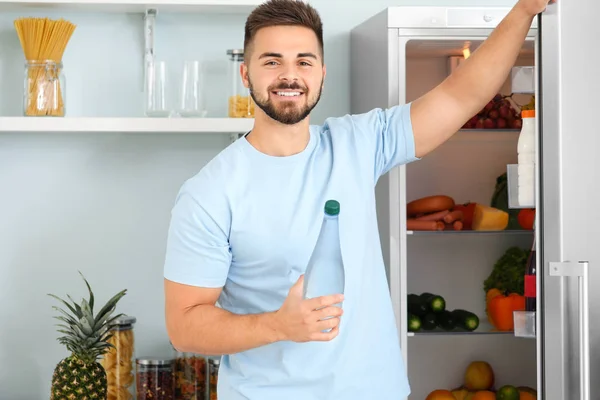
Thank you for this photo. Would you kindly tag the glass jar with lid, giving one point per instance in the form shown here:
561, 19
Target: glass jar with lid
118, 361
44, 89
154, 379
213, 375
190, 375
240, 101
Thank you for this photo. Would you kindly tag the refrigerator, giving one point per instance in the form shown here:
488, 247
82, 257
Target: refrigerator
398, 55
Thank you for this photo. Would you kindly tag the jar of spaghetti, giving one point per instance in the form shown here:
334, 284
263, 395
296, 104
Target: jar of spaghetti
154, 379
240, 102
190, 374
44, 89
118, 361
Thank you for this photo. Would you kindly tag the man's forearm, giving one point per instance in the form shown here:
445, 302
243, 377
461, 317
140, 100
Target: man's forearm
209, 330
483, 74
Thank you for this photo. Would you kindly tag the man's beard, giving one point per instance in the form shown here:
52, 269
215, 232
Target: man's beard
285, 114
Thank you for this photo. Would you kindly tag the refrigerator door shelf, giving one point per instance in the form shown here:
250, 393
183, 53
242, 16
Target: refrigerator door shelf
523, 80
512, 177
524, 324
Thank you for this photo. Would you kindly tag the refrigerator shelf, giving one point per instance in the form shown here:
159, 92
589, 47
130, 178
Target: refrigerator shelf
470, 232
485, 328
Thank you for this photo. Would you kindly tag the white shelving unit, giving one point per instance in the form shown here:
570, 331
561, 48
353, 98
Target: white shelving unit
126, 125
99, 185
203, 6
150, 10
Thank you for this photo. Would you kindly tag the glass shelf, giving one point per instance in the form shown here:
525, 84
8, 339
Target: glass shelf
470, 232
485, 328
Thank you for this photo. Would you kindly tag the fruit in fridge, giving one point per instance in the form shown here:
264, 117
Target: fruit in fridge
484, 395
479, 375
440, 394
507, 392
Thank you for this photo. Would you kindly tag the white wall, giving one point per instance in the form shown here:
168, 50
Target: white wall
100, 203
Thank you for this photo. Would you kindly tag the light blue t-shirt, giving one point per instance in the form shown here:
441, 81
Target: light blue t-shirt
248, 222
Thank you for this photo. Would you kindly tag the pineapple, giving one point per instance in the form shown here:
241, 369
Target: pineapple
80, 376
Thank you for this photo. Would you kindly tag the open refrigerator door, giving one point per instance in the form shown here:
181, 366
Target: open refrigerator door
442, 281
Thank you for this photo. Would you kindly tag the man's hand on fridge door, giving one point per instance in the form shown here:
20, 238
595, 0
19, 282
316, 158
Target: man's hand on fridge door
303, 320
534, 7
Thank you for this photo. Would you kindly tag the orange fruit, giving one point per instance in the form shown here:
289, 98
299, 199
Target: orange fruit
479, 376
440, 394
484, 395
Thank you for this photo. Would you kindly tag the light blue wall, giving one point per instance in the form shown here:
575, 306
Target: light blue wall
100, 203
104, 41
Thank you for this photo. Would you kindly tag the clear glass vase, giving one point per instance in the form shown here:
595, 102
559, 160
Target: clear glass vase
44, 89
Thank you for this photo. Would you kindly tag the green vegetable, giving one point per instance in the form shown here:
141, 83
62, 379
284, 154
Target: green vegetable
414, 323
429, 322
435, 303
466, 319
508, 274
500, 201
446, 320
416, 305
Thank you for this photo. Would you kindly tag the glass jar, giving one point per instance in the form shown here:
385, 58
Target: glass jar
213, 375
118, 360
240, 102
191, 378
154, 379
44, 89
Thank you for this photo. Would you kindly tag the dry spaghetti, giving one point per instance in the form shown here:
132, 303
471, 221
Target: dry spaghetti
44, 42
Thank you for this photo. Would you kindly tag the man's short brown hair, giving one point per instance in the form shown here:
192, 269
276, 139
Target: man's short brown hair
283, 12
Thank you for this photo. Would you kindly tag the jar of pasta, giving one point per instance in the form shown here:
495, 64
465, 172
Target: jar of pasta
190, 374
213, 375
118, 361
240, 102
44, 89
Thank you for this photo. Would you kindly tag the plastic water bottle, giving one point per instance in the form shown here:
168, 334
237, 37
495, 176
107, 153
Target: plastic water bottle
526, 159
325, 271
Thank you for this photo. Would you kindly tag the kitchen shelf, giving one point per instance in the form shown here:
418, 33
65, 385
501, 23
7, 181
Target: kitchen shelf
470, 232
485, 328
135, 6
126, 125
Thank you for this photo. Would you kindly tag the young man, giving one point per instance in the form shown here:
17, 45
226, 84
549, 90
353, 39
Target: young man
244, 227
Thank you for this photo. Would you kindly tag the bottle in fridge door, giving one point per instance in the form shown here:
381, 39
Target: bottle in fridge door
526, 159
530, 280
325, 271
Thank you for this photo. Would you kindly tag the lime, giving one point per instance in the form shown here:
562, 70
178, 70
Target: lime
507, 392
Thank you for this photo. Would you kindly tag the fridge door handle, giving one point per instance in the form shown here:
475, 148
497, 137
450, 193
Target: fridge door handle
580, 270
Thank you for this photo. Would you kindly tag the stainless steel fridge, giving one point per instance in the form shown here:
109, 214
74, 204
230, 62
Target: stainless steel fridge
399, 54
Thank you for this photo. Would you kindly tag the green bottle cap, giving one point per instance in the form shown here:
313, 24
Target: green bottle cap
332, 207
